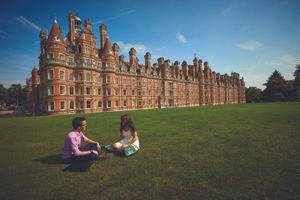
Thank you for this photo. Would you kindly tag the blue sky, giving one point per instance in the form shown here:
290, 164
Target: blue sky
252, 38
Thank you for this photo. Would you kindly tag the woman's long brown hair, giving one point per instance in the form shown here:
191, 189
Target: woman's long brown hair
128, 122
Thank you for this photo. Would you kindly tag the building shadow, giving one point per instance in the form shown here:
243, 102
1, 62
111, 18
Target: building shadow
57, 160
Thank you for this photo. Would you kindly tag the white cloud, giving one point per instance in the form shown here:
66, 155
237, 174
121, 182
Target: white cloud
115, 17
250, 45
125, 47
289, 59
3, 34
26, 22
181, 38
230, 8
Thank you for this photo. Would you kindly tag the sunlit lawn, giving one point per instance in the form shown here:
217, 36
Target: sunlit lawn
214, 152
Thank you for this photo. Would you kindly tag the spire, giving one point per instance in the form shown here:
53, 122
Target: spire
55, 33
107, 47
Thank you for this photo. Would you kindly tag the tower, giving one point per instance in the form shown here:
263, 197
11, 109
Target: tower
103, 34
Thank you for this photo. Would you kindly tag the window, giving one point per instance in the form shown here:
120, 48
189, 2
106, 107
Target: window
125, 103
116, 80
116, 91
133, 83
108, 92
61, 90
88, 104
100, 104
88, 90
99, 79
61, 75
71, 91
71, 105
88, 77
79, 77
71, 77
88, 61
61, 57
87, 49
51, 106
124, 92
99, 91
79, 48
70, 60
124, 80
133, 92
50, 55
80, 105
108, 104
79, 90
62, 105
139, 83
99, 65
50, 74
107, 79
117, 103
50, 90
139, 93
140, 103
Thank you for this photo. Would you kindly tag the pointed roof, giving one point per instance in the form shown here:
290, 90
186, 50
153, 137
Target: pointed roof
55, 33
107, 47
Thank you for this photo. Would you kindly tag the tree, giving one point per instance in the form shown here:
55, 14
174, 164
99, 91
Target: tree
3, 95
275, 88
253, 94
297, 82
16, 94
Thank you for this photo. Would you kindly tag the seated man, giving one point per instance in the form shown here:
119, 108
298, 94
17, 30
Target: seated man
72, 151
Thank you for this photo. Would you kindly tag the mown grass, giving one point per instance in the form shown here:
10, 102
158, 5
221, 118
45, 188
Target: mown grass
216, 152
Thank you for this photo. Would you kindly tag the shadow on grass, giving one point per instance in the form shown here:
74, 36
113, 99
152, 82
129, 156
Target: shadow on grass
57, 160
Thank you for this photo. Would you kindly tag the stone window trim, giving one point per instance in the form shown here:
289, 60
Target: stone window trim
62, 105
50, 74
50, 105
61, 75
60, 90
73, 105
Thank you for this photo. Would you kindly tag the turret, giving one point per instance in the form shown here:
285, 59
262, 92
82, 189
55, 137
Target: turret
132, 58
176, 68
55, 33
147, 60
116, 51
184, 66
103, 33
196, 66
74, 26
88, 25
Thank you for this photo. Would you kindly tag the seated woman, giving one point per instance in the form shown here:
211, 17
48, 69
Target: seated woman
128, 142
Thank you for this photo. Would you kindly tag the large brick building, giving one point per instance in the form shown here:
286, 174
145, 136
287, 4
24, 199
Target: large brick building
75, 76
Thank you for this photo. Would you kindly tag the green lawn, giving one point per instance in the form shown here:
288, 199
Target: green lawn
215, 152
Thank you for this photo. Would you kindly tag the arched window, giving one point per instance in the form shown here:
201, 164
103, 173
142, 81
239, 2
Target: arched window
79, 48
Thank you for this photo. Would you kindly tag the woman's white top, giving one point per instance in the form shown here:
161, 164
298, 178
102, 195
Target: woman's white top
126, 137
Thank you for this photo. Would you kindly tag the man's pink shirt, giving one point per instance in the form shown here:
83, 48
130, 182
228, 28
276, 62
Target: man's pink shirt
72, 143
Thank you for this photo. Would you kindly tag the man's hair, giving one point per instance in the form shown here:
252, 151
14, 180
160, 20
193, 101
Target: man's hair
77, 121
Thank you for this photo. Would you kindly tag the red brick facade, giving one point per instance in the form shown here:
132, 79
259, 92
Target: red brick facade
75, 76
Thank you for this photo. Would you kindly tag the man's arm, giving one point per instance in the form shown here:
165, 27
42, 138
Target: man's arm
93, 142
83, 153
